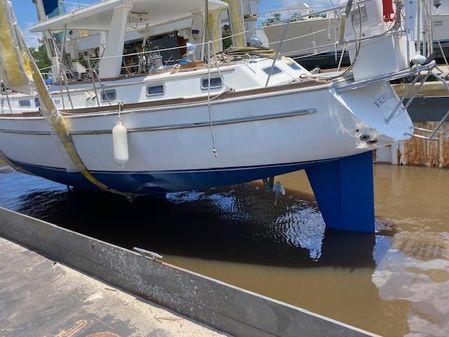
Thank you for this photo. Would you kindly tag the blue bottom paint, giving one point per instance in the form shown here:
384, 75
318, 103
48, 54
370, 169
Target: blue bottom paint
150, 183
344, 190
343, 187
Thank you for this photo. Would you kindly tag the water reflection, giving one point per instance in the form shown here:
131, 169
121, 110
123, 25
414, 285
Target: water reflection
239, 224
416, 269
394, 283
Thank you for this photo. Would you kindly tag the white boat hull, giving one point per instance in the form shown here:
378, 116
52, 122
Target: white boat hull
170, 148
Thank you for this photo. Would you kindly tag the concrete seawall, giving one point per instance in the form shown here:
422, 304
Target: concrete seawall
39, 297
417, 151
224, 307
428, 108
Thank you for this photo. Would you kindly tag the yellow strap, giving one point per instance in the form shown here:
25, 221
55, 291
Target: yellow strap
57, 121
14, 71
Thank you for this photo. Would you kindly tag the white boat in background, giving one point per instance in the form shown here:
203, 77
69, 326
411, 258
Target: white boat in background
310, 35
314, 38
440, 21
237, 117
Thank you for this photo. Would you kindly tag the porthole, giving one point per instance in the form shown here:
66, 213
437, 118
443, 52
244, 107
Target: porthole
155, 90
215, 83
108, 95
24, 103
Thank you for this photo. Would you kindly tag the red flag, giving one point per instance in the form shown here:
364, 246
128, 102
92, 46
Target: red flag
388, 10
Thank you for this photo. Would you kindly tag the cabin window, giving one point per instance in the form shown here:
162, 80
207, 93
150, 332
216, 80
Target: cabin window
155, 90
37, 103
272, 70
24, 103
215, 83
108, 95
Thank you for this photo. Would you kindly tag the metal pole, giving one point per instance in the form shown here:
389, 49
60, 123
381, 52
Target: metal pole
2, 99
284, 34
91, 73
389, 118
429, 23
62, 73
439, 125
206, 29
102, 87
418, 28
7, 97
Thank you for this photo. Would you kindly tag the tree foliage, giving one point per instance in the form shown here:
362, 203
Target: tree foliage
275, 18
226, 35
40, 56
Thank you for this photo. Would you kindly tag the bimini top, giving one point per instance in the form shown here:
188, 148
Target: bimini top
143, 12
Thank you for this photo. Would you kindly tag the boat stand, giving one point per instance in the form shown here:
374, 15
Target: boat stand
344, 190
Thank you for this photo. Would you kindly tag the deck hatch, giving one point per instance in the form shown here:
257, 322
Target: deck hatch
272, 70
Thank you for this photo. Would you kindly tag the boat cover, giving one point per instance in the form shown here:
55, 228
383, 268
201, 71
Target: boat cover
15, 70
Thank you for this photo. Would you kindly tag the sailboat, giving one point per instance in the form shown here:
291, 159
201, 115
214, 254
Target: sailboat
236, 117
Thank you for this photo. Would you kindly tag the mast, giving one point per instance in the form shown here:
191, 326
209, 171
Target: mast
206, 21
237, 23
250, 15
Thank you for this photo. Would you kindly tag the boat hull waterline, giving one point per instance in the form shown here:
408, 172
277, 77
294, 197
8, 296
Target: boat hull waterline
255, 135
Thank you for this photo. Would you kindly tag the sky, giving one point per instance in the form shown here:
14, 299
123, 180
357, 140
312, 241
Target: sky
26, 13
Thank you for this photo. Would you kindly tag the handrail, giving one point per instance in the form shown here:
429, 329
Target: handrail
317, 13
401, 101
350, 42
183, 47
342, 86
91, 73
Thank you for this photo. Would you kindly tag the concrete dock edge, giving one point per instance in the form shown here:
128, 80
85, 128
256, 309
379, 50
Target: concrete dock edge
224, 307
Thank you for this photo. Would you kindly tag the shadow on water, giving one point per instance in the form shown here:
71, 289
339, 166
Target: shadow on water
238, 224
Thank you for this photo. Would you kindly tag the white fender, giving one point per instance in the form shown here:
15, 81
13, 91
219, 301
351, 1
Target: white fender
120, 144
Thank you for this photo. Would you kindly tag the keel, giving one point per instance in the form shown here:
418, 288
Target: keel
344, 190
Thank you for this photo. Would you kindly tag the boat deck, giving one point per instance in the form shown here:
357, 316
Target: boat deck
40, 297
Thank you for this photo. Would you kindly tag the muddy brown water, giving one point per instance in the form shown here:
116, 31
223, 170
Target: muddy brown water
394, 283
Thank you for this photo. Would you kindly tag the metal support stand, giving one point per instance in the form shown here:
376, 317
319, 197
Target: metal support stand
268, 183
344, 190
